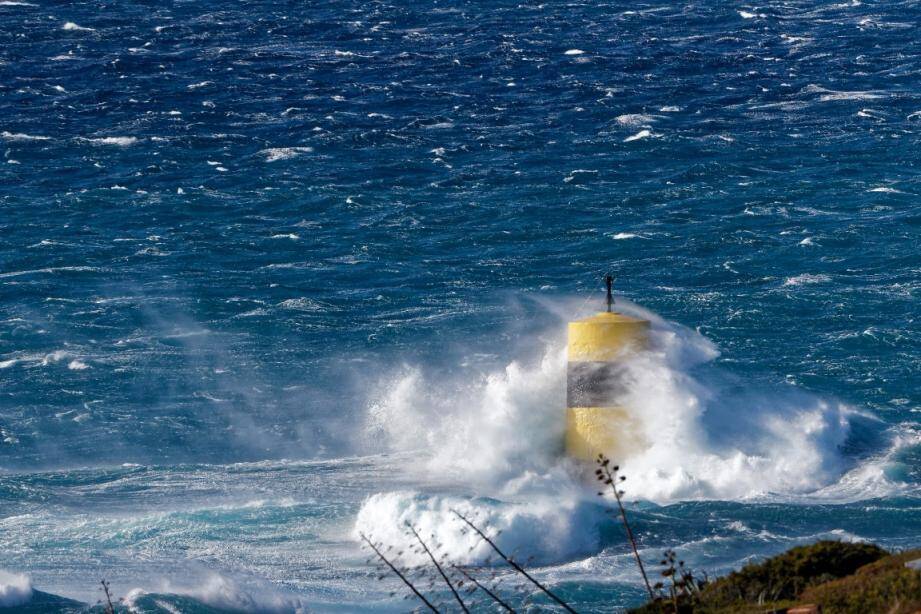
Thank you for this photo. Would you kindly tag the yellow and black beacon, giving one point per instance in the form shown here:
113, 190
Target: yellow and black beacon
597, 421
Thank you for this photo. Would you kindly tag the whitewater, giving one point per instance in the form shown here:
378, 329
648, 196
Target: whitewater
486, 442
276, 276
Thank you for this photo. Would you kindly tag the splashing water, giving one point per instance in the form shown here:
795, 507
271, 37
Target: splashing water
15, 589
706, 435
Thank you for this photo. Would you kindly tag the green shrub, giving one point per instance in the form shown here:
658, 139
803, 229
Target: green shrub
884, 586
785, 576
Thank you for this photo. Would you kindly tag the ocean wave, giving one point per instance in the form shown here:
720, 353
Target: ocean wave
829, 95
621, 236
885, 190
221, 591
49, 270
642, 134
15, 589
806, 278
635, 119
698, 434
72, 27
544, 531
118, 141
275, 154
19, 137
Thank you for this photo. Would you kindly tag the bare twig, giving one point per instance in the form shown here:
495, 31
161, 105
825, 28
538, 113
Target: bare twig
108, 608
485, 589
608, 476
399, 574
438, 567
513, 564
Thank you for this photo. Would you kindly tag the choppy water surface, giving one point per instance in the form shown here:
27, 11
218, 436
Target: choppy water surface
275, 273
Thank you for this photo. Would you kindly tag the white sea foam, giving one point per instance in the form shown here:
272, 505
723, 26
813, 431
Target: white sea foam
828, 95
77, 365
303, 304
15, 589
226, 593
806, 278
284, 153
76, 28
699, 433
850, 96
48, 271
634, 119
573, 174
20, 137
880, 475
620, 236
504, 418
549, 529
14, 3
118, 141
885, 190
54, 357
702, 436
574, 52
642, 134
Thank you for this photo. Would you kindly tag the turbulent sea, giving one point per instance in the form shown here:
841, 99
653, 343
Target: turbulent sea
273, 274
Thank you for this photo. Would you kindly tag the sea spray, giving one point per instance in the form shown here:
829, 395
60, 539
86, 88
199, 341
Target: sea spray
485, 429
225, 592
705, 433
544, 530
15, 589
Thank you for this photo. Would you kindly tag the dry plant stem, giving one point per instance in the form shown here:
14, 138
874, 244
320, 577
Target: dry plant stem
623, 516
485, 589
398, 573
109, 608
438, 567
513, 564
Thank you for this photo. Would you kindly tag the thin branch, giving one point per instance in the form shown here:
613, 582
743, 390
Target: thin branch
611, 478
485, 589
109, 608
513, 564
438, 567
399, 574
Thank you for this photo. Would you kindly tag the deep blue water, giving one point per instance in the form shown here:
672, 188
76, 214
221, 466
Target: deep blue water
261, 261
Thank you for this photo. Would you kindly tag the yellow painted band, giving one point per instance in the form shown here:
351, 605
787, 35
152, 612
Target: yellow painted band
611, 431
605, 336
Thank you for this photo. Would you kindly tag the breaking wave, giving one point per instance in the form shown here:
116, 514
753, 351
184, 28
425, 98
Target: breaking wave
15, 589
703, 434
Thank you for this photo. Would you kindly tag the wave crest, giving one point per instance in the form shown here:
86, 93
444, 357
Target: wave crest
706, 434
